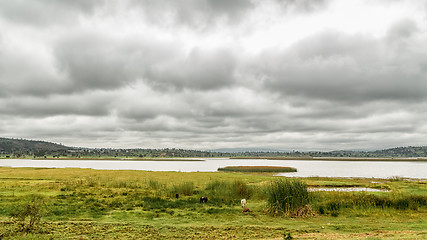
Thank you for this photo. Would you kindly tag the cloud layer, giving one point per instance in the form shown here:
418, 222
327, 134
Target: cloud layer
305, 75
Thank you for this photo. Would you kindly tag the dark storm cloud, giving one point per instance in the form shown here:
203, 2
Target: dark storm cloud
206, 14
402, 29
85, 61
101, 61
26, 71
93, 61
207, 108
93, 104
349, 68
303, 6
195, 13
202, 14
46, 12
206, 70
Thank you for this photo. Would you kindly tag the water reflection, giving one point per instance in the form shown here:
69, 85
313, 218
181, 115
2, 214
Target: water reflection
345, 189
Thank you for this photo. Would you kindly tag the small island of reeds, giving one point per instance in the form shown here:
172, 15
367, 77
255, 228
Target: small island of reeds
257, 169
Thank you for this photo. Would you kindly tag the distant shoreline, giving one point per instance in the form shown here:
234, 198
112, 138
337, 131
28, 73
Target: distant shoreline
338, 159
112, 159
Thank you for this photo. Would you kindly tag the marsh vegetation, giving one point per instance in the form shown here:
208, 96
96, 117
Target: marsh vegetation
84, 203
257, 169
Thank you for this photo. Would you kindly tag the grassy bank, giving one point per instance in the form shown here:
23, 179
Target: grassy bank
257, 169
105, 204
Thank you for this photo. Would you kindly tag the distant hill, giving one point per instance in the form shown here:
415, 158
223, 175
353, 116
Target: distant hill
399, 152
32, 148
10, 145
403, 152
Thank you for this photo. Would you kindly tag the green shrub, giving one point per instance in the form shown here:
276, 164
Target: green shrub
287, 236
321, 210
334, 213
32, 211
333, 206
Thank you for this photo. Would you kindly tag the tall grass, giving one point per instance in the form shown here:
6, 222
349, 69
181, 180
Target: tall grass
396, 179
185, 188
155, 185
335, 202
286, 197
229, 191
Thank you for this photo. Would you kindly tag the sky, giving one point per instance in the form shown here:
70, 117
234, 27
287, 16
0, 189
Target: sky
204, 74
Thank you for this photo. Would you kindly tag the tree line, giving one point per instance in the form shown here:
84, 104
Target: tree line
21, 148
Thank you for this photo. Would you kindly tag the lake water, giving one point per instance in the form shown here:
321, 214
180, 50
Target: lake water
306, 168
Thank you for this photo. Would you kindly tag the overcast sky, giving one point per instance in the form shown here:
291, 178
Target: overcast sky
205, 74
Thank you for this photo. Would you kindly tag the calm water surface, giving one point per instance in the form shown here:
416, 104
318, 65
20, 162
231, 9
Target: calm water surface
306, 168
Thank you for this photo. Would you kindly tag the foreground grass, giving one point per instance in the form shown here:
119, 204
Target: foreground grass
338, 228
105, 204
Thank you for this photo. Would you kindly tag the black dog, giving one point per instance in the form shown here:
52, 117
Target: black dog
203, 199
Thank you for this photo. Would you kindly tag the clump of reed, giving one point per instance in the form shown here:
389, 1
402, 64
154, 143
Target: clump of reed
185, 189
396, 179
229, 191
288, 197
155, 185
257, 169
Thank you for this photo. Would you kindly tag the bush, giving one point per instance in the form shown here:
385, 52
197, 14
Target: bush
287, 236
287, 196
33, 210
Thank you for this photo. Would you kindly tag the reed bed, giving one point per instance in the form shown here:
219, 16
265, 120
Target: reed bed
257, 169
334, 202
276, 158
230, 191
385, 159
288, 197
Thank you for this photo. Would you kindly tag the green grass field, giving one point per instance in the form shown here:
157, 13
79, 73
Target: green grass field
104, 204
